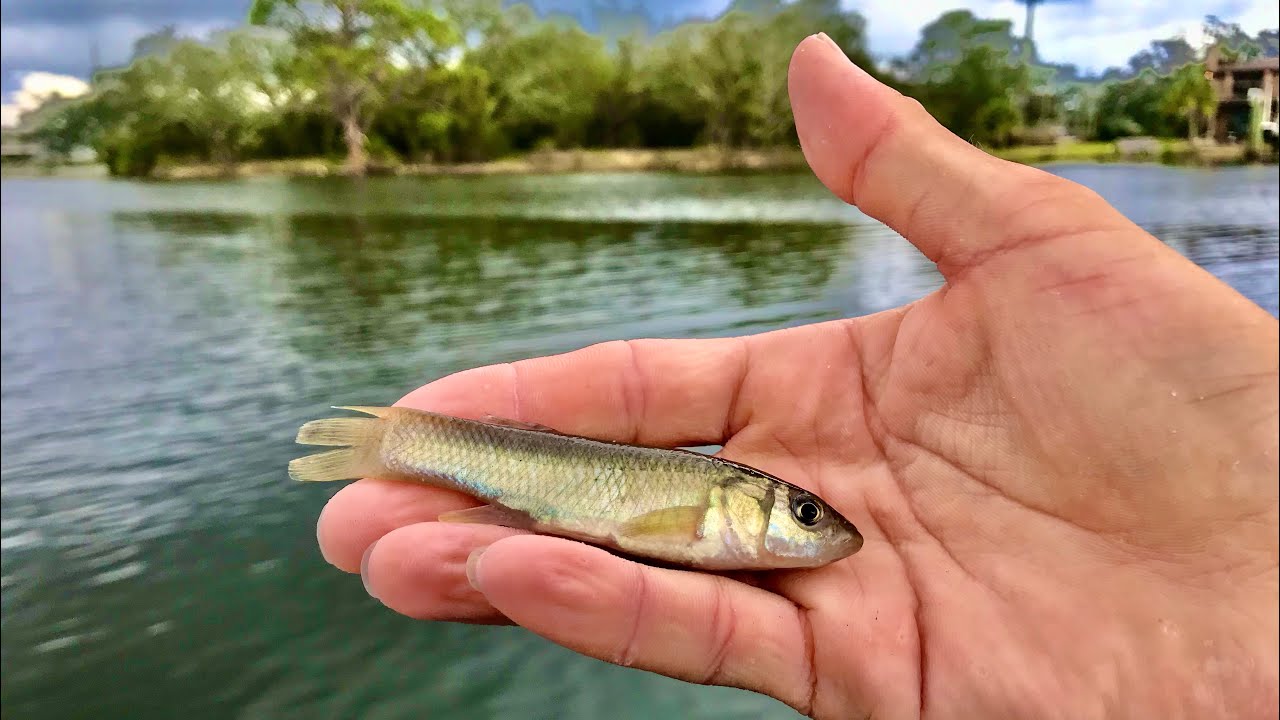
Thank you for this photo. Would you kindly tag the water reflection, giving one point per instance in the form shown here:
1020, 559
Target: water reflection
396, 283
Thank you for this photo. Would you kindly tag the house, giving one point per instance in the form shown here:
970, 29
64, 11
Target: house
15, 148
1233, 83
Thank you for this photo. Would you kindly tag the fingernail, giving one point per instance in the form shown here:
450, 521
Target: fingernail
320, 540
473, 568
827, 39
364, 570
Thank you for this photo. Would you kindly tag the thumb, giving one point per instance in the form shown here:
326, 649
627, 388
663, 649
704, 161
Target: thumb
882, 152
695, 627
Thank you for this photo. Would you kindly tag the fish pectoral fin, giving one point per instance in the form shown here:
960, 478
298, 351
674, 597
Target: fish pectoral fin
680, 523
489, 515
518, 424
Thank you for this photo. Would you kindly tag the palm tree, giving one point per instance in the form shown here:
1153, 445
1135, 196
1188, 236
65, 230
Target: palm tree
1190, 95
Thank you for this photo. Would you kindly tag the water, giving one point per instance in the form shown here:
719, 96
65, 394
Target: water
162, 342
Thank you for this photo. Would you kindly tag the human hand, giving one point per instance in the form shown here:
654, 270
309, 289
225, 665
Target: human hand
1064, 463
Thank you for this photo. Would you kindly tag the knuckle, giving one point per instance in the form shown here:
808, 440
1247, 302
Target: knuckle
639, 603
721, 630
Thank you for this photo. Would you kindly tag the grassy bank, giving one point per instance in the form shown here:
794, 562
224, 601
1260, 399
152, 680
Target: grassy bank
557, 161
1163, 150
694, 160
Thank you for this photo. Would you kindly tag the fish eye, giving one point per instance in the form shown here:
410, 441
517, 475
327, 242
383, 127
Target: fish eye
806, 511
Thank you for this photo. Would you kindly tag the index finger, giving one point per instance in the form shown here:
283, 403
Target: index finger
664, 393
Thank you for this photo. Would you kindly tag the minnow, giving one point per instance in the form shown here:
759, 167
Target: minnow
676, 506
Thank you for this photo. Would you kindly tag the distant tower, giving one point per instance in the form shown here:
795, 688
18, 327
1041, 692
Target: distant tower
94, 60
1028, 29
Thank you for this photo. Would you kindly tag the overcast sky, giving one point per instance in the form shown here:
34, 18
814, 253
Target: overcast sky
57, 35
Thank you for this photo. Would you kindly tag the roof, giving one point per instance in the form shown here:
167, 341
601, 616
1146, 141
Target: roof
1262, 63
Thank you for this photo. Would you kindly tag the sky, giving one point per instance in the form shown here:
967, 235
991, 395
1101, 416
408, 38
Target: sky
58, 36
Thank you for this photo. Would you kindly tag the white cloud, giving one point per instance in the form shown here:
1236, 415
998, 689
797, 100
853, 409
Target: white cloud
35, 89
1257, 16
1093, 35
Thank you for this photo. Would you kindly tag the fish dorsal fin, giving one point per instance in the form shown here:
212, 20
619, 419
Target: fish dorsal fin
489, 515
681, 523
366, 409
518, 424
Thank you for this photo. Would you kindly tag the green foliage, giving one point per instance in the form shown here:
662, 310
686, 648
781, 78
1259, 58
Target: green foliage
390, 81
944, 43
545, 81
979, 96
1078, 104
1163, 56
970, 74
1268, 42
729, 76
65, 125
181, 99
358, 54
1235, 43
1188, 94
1136, 106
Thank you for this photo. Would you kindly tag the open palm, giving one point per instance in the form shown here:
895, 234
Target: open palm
1064, 463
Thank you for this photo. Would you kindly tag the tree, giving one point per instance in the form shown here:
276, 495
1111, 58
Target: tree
357, 52
619, 103
944, 42
1163, 56
979, 97
156, 43
730, 74
1189, 95
1268, 42
545, 79
216, 93
1235, 43
61, 125
967, 72
1079, 103
1135, 106
709, 72
130, 117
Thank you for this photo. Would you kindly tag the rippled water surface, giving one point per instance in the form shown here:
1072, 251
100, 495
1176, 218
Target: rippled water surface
162, 342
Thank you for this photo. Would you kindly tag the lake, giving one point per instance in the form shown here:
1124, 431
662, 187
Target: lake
163, 342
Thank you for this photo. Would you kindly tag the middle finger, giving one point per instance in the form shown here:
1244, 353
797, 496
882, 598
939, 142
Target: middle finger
364, 511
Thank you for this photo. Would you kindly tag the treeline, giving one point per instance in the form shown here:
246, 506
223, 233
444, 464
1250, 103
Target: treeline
381, 82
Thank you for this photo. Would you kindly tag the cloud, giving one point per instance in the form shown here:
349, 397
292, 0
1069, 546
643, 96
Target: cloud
58, 35
35, 89
1117, 30
76, 12
1093, 35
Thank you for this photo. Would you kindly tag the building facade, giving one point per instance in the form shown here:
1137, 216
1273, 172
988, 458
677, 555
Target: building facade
1233, 83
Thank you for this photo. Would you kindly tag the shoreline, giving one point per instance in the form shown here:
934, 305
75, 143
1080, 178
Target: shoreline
681, 160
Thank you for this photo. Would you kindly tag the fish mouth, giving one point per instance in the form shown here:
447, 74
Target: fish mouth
839, 550
852, 544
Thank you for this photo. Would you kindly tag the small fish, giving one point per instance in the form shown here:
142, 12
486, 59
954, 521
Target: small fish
677, 506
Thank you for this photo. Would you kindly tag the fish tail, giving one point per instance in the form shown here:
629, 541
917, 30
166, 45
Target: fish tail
359, 440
